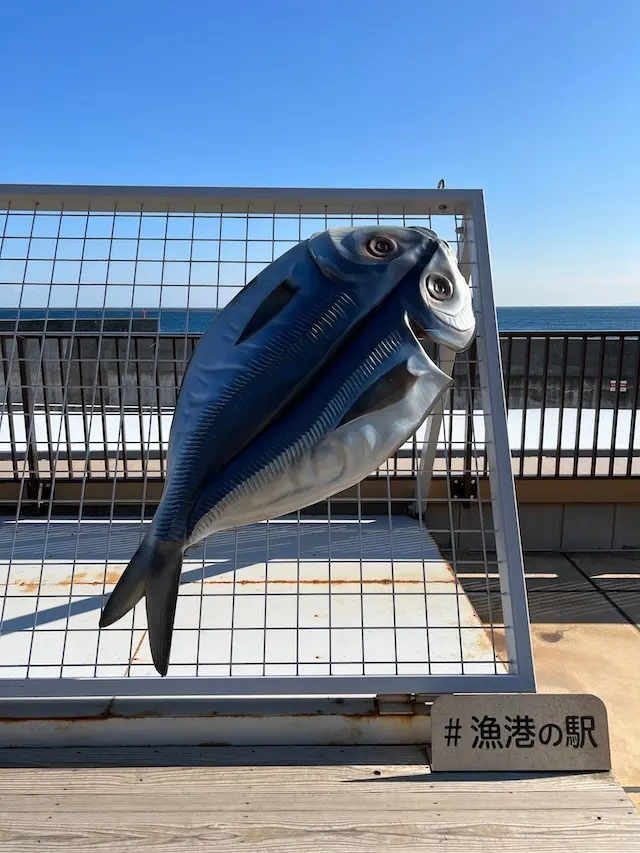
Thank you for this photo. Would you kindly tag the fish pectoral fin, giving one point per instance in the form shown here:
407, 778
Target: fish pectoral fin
153, 572
275, 302
390, 388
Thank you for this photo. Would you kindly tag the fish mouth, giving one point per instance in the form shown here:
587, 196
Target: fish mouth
420, 333
456, 340
418, 329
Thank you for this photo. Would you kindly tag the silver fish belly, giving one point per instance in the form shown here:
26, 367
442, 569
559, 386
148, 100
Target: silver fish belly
338, 461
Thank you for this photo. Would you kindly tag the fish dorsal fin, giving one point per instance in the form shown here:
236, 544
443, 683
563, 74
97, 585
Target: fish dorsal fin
390, 388
275, 302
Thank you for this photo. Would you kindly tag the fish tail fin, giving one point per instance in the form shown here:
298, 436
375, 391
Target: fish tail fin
161, 598
153, 572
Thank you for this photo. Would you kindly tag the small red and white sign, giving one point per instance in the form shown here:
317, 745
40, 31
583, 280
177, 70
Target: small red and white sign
613, 385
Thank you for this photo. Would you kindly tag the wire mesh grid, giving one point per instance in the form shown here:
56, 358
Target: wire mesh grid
101, 312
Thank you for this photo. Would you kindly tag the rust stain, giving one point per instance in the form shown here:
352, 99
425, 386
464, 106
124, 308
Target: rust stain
112, 577
501, 645
29, 586
76, 577
84, 579
315, 581
407, 720
494, 635
497, 641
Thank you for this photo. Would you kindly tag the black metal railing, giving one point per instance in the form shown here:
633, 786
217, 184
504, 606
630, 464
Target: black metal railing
572, 399
98, 406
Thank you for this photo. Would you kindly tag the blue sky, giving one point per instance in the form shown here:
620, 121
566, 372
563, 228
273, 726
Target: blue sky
536, 103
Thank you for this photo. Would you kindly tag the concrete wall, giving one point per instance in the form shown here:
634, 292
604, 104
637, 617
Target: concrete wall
580, 527
544, 526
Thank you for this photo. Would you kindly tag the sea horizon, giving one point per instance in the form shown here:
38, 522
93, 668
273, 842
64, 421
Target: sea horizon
511, 318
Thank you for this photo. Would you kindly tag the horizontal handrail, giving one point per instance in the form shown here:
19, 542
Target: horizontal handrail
99, 405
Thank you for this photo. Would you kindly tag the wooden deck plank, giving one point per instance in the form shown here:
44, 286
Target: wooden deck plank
283, 767
177, 832
294, 800
143, 797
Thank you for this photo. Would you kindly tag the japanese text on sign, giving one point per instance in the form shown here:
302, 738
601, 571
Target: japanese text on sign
521, 732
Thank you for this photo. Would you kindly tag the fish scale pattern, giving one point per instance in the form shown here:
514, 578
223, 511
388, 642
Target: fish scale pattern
284, 347
291, 447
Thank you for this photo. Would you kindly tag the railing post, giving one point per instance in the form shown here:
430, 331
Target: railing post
467, 486
430, 446
32, 481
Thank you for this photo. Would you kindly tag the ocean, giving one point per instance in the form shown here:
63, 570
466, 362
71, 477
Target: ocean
510, 319
570, 319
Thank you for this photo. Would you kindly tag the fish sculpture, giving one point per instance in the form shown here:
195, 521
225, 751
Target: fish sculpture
306, 382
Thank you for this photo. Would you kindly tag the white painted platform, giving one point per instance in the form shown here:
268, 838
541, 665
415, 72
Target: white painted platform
310, 597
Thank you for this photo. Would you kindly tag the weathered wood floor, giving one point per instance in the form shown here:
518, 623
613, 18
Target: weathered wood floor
297, 799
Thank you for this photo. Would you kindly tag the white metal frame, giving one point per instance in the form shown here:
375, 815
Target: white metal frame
466, 203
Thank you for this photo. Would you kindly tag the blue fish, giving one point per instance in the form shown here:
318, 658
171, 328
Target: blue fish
304, 384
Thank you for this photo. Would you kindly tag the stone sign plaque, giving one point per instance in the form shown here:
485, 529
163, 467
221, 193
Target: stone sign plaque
520, 732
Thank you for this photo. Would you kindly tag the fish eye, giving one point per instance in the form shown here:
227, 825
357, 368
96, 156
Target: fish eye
381, 247
439, 287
